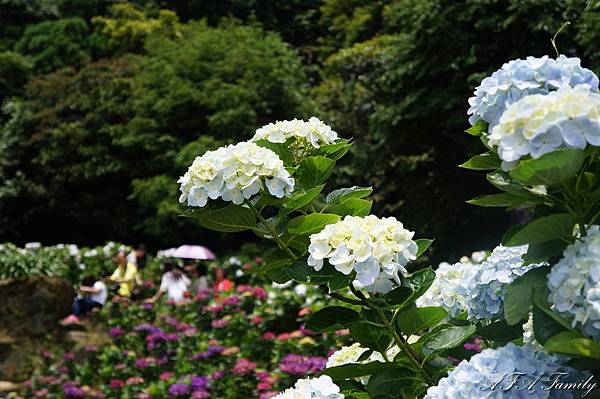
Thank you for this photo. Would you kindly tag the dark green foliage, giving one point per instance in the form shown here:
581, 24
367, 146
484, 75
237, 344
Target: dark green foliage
98, 146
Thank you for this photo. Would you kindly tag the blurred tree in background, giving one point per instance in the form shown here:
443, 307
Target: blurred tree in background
105, 104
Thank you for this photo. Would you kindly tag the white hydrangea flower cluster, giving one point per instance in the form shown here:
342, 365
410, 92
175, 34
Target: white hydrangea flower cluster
376, 248
234, 173
313, 132
473, 379
574, 283
345, 355
451, 287
491, 280
520, 78
539, 124
312, 388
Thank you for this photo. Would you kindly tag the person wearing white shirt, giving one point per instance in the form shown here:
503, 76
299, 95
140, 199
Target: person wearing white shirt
174, 283
93, 294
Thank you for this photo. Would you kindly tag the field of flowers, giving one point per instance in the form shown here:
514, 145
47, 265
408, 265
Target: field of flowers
247, 343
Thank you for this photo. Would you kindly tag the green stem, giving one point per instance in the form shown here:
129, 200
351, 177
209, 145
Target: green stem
272, 231
412, 355
342, 298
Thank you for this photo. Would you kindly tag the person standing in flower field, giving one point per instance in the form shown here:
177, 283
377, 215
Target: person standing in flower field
174, 283
125, 275
222, 283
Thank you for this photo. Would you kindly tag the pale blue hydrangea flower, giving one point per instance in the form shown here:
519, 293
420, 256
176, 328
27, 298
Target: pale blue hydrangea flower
574, 283
475, 378
491, 280
451, 287
520, 78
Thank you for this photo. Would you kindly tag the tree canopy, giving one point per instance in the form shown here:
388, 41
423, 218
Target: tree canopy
104, 105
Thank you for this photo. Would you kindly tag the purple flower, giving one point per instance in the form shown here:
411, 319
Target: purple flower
301, 365
69, 357
213, 350
146, 327
147, 306
232, 301
179, 389
217, 375
144, 363
71, 390
199, 383
116, 332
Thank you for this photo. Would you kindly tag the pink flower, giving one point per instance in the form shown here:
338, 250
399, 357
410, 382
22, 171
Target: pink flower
256, 320
260, 293
116, 383
120, 366
219, 323
284, 336
135, 380
41, 393
243, 367
268, 336
166, 375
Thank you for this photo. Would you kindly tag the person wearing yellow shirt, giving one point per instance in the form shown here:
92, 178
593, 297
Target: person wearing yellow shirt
124, 275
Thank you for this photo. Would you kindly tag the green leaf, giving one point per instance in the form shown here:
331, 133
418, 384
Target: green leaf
423, 244
227, 219
500, 331
337, 150
347, 371
478, 128
389, 383
300, 199
519, 295
545, 228
332, 318
370, 336
499, 200
281, 149
396, 297
420, 281
541, 252
544, 326
486, 161
417, 319
552, 168
570, 343
342, 194
314, 171
352, 207
504, 182
447, 338
310, 224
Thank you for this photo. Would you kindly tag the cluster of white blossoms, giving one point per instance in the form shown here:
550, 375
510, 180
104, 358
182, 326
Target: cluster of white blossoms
574, 283
451, 287
313, 132
490, 281
475, 378
234, 173
520, 78
539, 124
377, 249
312, 388
345, 355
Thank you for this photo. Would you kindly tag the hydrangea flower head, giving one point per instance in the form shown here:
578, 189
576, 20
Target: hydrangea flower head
313, 132
234, 173
345, 355
376, 248
473, 379
520, 78
574, 283
313, 388
539, 124
451, 287
491, 280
